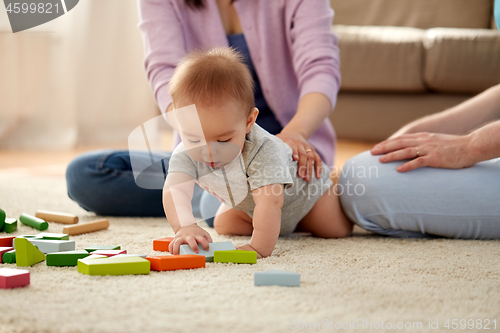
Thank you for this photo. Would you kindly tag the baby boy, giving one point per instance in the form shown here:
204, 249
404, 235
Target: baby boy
249, 170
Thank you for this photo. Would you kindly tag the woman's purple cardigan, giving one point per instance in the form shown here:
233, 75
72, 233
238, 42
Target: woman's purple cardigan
290, 41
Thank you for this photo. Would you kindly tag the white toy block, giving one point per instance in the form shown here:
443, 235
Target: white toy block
209, 255
50, 246
277, 278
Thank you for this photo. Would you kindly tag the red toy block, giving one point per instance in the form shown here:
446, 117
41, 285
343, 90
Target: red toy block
13, 278
7, 241
3, 250
109, 253
171, 263
162, 244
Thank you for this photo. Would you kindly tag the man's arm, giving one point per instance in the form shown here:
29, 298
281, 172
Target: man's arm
266, 218
460, 119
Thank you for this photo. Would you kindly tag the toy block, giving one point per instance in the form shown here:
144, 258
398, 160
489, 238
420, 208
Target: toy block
162, 244
96, 256
10, 225
86, 227
52, 236
67, 258
26, 236
57, 217
34, 222
9, 257
209, 255
7, 241
50, 246
171, 263
114, 266
4, 250
102, 247
14, 278
276, 278
130, 255
27, 254
2, 218
109, 253
236, 256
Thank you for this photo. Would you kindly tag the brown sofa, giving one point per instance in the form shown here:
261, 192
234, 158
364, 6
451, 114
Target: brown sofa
404, 59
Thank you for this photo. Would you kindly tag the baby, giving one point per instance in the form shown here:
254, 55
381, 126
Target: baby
249, 170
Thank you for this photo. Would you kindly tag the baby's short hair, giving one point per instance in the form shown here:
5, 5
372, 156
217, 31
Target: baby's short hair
214, 79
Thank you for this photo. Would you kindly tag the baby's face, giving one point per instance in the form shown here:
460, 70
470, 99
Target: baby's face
213, 136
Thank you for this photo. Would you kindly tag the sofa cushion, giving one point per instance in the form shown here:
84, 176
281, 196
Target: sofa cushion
381, 58
461, 60
423, 14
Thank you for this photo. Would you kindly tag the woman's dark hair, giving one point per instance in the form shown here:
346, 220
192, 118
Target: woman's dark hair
198, 4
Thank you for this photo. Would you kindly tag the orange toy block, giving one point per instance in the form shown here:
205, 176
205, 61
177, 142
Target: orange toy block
162, 244
7, 241
171, 263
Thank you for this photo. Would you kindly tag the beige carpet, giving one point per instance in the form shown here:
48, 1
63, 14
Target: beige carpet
365, 277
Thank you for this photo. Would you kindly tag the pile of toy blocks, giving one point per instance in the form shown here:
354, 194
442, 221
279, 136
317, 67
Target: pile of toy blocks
59, 250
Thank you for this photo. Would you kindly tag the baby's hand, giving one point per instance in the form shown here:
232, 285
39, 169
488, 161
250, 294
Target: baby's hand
247, 247
192, 235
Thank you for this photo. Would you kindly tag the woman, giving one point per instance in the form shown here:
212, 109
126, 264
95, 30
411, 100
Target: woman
293, 56
456, 195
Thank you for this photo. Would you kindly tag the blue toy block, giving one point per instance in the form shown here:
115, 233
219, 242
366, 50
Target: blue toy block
209, 255
276, 278
51, 246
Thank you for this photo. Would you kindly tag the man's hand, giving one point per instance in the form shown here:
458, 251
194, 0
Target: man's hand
427, 149
307, 157
247, 247
192, 235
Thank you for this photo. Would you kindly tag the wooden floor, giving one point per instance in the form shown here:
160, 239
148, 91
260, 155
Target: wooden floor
53, 164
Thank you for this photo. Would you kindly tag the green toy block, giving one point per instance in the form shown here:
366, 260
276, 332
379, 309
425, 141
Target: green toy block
27, 254
2, 218
102, 247
10, 225
33, 222
114, 266
68, 258
52, 236
9, 257
236, 256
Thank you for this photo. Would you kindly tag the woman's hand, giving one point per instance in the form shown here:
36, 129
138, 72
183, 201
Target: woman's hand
427, 149
247, 247
307, 157
192, 235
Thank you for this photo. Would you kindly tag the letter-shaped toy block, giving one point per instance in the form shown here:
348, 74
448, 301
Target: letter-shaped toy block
7, 241
51, 246
68, 258
27, 254
236, 256
4, 250
10, 225
162, 244
209, 255
114, 266
109, 253
171, 263
57, 217
13, 278
9, 257
33, 222
102, 247
276, 278
52, 236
